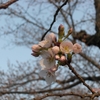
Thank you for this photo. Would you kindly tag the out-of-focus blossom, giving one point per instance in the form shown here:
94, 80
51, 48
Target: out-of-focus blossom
48, 40
51, 36
77, 48
49, 74
66, 47
45, 43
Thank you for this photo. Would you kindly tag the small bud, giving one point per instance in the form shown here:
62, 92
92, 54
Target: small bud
77, 48
57, 57
61, 32
62, 58
69, 32
35, 54
55, 49
36, 48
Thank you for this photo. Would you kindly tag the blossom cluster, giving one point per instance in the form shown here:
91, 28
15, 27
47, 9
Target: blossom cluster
54, 52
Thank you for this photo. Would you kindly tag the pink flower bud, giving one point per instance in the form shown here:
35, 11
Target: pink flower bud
61, 31
61, 28
70, 31
55, 49
36, 48
77, 48
62, 58
35, 54
57, 57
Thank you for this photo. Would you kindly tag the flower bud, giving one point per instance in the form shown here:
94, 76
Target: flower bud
55, 49
57, 57
36, 48
61, 32
62, 58
77, 48
35, 54
69, 32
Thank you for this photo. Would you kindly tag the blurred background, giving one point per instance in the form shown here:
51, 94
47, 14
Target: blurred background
23, 23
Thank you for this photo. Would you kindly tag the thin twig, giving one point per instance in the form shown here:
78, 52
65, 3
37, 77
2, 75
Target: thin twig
79, 77
54, 19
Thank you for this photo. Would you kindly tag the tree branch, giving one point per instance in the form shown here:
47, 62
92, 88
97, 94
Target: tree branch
7, 4
54, 19
79, 77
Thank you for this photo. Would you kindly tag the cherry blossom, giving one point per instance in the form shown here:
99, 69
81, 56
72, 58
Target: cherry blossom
51, 36
48, 59
54, 53
48, 40
66, 47
77, 48
45, 43
49, 74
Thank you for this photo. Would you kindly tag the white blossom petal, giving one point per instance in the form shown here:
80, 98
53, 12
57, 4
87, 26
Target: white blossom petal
51, 37
42, 64
45, 43
43, 73
49, 63
50, 78
48, 58
45, 54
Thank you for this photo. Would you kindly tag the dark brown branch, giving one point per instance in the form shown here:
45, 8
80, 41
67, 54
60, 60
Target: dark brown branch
7, 4
91, 96
72, 79
60, 95
54, 19
79, 77
92, 39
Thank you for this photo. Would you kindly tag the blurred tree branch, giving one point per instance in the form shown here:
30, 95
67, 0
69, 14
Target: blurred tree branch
7, 4
54, 18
